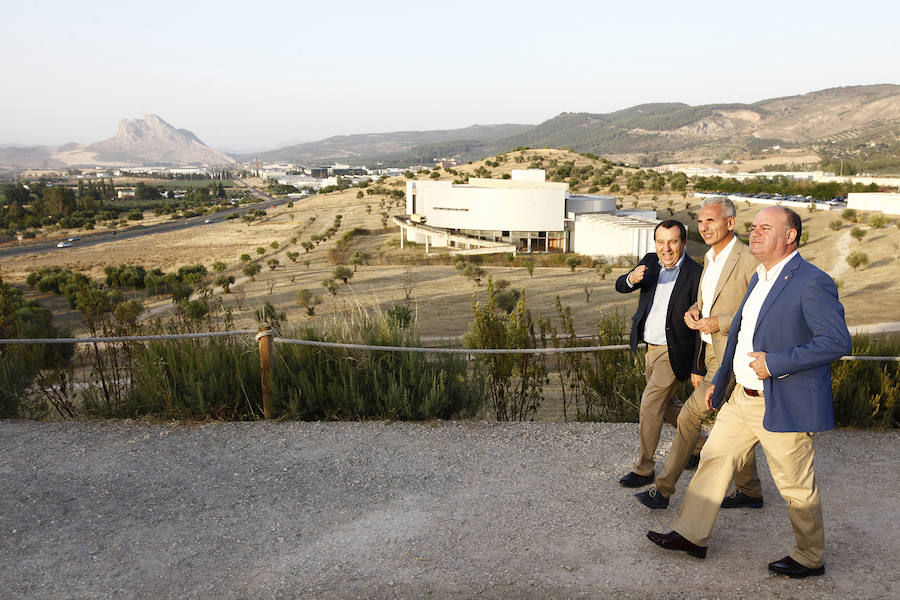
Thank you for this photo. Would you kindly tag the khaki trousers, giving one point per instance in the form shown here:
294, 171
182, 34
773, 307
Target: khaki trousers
790, 455
687, 439
658, 403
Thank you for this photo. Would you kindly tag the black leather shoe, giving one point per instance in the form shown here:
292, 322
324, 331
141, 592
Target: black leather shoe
634, 480
674, 541
692, 463
652, 498
790, 567
740, 499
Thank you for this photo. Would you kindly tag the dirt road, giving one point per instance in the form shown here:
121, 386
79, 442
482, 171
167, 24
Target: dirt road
390, 510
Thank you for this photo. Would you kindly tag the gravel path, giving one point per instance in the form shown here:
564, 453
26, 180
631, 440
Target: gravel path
391, 510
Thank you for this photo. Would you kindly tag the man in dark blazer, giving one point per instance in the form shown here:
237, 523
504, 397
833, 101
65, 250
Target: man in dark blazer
668, 280
782, 341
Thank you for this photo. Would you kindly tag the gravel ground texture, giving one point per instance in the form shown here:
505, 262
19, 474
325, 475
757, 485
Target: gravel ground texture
405, 510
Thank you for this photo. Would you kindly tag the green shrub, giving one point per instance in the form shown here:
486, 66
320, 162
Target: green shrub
513, 383
336, 384
866, 393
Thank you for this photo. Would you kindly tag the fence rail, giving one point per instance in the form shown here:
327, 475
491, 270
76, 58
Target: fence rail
266, 338
346, 346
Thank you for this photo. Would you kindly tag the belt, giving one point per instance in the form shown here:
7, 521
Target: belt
752, 393
649, 345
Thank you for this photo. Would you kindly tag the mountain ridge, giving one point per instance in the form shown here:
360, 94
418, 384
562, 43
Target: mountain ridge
832, 121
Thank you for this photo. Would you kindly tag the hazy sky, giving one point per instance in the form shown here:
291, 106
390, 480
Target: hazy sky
259, 74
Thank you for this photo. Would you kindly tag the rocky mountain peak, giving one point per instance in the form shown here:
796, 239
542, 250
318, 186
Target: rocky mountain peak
153, 140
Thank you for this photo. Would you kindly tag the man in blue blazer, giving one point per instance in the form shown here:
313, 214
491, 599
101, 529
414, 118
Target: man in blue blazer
782, 341
668, 280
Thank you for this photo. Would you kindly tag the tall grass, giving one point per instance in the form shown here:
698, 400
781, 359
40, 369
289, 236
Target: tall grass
220, 377
603, 385
866, 392
315, 383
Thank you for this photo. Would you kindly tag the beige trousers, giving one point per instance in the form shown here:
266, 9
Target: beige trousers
687, 439
790, 456
658, 403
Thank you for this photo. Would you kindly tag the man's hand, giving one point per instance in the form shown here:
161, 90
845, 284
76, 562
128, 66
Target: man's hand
708, 397
637, 276
709, 325
696, 380
759, 365
692, 319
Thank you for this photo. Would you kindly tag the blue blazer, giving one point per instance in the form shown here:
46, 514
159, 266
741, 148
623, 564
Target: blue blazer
801, 328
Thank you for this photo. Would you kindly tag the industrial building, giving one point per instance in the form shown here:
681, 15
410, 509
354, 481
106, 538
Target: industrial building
886, 203
522, 214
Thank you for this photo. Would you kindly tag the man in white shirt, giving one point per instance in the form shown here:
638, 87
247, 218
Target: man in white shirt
787, 332
728, 267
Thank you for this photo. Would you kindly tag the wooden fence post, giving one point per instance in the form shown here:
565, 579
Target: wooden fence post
265, 339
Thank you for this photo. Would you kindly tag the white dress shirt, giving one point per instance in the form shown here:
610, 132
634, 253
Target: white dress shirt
655, 325
710, 280
743, 374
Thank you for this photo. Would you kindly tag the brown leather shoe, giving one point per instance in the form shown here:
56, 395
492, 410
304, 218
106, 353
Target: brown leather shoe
674, 541
790, 567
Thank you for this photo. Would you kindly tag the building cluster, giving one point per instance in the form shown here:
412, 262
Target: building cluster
315, 178
523, 214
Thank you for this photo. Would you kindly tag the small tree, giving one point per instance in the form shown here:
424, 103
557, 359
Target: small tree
306, 299
804, 237
529, 266
251, 270
850, 214
225, 281
877, 222
358, 258
273, 263
274, 245
858, 234
330, 285
603, 270
260, 250
307, 245
857, 260
835, 225
219, 266
245, 258
343, 273
572, 262
293, 256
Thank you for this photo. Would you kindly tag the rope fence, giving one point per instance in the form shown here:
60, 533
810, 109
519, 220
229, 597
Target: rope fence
266, 339
346, 346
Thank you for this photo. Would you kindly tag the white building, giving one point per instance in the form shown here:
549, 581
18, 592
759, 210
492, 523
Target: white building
524, 213
887, 203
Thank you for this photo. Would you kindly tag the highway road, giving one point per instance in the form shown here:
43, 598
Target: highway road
92, 239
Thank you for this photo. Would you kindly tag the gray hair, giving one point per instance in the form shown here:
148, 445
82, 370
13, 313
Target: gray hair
728, 209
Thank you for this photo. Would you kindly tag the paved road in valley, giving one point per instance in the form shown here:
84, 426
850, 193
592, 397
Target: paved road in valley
139, 230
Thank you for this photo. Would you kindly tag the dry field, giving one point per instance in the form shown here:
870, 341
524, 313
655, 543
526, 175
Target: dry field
440, 298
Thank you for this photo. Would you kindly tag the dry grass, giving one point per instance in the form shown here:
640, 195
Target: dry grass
440, 297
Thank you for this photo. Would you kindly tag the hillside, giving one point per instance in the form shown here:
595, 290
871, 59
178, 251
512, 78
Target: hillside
831, 122
374, 147
860, 123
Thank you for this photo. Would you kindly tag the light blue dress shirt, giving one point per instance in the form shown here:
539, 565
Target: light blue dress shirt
655, 326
